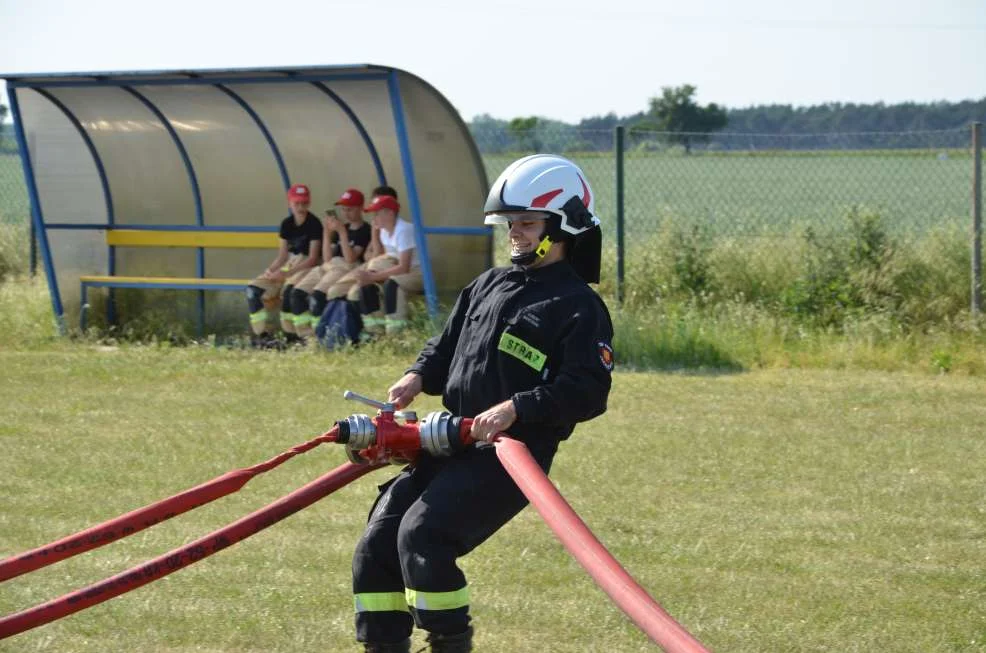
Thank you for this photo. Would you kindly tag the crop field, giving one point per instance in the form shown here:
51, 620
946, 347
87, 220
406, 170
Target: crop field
769, 193
760, 226
735, 193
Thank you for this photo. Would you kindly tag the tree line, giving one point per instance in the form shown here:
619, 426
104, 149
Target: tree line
687, 124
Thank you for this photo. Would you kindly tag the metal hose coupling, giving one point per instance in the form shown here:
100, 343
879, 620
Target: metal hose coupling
440, 434
356, 432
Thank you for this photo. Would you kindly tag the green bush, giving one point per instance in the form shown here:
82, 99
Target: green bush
816, 276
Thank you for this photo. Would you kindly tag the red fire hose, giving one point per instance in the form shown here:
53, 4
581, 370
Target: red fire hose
590, 553
137, 520
370, 443
183, 556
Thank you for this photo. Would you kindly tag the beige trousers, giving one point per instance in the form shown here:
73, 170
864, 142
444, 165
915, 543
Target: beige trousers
409, 282
319, 279
273, 290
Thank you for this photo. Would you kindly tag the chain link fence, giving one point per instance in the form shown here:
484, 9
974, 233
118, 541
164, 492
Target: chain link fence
805, 224
821, 224
15, 209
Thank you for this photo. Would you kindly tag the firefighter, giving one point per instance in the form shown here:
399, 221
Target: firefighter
526, 351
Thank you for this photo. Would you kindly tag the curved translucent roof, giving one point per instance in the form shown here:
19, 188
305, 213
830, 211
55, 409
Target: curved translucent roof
216, 149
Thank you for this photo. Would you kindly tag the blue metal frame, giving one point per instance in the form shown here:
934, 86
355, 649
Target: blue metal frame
36, 217
480, 168
196, 192
189, 168
219, 78
285, 178
397, 106
103, 182
95, 80
381, 176
459, 231
151, 284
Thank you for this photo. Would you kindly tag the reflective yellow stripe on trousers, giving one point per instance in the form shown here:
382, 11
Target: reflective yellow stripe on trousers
380, 602
437, 600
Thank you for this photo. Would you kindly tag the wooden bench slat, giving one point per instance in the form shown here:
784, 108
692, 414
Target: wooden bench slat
228, 239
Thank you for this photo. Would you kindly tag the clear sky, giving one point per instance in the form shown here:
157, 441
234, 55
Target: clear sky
558, 59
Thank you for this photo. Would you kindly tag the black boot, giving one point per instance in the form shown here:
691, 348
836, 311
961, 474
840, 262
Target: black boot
293, 340
458, 643
388, 647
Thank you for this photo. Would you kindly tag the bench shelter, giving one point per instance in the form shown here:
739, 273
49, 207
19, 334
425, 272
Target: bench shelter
176, 180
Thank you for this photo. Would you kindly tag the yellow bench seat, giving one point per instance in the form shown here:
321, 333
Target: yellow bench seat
209, 239
192, 238
153, 282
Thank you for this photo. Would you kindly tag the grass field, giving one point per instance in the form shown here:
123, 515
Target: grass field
817, 490
776, 510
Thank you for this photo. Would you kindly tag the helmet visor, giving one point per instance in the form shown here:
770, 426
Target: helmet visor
506, 217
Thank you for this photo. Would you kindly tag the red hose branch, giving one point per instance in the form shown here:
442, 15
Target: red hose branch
183, 556
137, 520
590, 553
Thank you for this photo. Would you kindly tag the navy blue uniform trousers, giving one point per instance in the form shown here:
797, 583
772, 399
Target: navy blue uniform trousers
427, 516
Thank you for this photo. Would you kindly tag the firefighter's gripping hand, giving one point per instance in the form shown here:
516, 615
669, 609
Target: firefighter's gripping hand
493, 420
404, 391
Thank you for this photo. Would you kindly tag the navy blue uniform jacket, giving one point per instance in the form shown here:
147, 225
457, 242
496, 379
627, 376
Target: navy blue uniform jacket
541, 337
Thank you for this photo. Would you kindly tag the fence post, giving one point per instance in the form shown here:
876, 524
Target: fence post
977, 217
619, 213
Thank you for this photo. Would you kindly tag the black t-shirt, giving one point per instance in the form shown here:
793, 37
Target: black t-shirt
298, 236
358, 237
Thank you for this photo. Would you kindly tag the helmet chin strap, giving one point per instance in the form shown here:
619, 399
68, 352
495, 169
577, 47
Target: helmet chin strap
536, 255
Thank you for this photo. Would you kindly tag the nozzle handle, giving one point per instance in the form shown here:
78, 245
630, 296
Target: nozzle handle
380, 405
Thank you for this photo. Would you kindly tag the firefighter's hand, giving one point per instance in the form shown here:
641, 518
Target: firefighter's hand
493, 420
404, 391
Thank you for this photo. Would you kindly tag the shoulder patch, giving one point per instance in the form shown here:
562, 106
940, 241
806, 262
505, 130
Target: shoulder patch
606, 355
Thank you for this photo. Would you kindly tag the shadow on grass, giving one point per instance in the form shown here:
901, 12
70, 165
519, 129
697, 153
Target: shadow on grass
692, 357
672, 347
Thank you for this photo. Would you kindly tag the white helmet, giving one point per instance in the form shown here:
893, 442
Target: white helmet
544, 183
547, 183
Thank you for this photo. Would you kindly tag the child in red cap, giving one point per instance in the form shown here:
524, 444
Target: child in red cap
300, 246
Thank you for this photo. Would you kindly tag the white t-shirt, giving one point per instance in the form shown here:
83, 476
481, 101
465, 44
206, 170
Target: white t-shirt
400, 240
